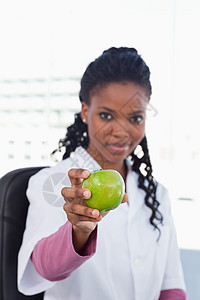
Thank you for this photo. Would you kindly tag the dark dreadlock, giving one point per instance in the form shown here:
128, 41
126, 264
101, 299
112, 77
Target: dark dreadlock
116, 65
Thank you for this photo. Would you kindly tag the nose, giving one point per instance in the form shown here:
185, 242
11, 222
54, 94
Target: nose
120, 129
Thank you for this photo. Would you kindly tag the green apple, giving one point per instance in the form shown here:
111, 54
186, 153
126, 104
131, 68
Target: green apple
107, 188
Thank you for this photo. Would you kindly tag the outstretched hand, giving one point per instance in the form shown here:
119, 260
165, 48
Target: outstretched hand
78, 213
84, 219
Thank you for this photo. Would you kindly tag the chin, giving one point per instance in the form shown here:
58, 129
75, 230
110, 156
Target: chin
117, 157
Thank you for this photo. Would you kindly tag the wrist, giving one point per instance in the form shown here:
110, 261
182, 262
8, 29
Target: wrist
79, 238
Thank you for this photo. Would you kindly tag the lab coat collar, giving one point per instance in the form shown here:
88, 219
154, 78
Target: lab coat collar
82, 158
135, 194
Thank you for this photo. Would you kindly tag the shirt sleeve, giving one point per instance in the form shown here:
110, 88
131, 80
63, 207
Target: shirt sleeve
55, 258
173, 294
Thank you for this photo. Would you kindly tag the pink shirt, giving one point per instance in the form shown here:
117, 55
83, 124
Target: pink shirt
55, 259
174, 294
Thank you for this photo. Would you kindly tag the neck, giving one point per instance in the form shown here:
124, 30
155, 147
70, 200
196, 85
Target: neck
105, 164
121, 169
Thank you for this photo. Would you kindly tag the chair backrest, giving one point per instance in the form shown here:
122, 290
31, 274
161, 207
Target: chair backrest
13, 211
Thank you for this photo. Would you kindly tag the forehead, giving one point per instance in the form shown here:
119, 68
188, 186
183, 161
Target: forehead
119, 95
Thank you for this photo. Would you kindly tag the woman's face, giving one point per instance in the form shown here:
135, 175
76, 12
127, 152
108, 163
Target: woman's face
116, 121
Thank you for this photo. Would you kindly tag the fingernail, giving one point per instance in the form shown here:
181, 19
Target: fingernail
85, 173
95, 212
86, 194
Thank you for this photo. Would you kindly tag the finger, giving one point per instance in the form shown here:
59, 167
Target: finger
75, 219
125, 198
81, 211
75, 193
76, 175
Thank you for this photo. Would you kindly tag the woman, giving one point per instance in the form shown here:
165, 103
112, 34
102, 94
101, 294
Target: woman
77, 253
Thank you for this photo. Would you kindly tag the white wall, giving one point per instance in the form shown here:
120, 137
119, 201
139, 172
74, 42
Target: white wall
46, 39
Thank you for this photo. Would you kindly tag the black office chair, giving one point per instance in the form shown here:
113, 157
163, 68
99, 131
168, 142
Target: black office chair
13, 211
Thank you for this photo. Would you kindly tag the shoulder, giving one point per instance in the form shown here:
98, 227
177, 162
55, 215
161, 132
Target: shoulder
45, 186
164, 200
59, 170
162, 195
161, 191
48, 178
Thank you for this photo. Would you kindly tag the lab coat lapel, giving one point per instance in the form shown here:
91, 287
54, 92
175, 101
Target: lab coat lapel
135, 195
84, 160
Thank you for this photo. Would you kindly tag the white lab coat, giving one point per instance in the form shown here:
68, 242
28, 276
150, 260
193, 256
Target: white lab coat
129, 262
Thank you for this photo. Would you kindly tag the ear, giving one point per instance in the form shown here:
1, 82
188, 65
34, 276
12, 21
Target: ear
84, 112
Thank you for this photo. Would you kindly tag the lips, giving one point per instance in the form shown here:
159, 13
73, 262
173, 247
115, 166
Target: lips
118, 148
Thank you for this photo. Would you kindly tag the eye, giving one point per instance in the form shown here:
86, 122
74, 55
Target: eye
105, 116
137, 119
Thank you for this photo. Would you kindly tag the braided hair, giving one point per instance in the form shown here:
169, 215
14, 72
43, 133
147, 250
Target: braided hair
117, 65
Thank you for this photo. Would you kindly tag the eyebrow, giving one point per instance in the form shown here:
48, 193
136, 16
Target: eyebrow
108, 109
137, 112
131, 113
